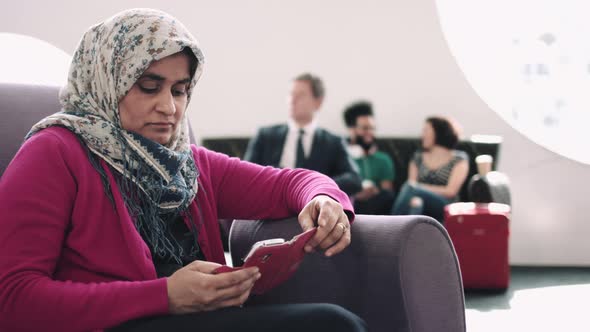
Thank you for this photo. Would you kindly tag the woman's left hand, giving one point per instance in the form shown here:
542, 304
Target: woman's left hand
333, 234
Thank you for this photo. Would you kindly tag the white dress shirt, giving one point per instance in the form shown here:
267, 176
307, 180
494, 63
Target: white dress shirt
289, 155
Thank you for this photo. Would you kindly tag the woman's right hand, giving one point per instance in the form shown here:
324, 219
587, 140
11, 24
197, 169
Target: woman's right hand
195, 288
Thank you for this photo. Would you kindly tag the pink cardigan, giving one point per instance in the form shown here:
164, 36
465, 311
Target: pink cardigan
70, 261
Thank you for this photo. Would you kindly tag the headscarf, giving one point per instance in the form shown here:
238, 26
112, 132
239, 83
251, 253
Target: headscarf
110, 58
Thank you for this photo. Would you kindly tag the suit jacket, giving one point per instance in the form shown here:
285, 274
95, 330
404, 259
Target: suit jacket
328, 155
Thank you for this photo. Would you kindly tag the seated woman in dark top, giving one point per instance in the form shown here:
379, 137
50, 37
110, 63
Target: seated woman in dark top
435, 173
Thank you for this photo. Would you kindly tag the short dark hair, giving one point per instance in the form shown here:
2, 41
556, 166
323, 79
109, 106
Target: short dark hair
445, 132
354, 110
316, 84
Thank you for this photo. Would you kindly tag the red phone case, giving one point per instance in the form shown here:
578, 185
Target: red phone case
276, 263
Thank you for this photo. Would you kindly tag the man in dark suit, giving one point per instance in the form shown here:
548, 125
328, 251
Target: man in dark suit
301, 143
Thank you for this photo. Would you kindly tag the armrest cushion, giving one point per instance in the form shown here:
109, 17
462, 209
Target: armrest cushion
399, 274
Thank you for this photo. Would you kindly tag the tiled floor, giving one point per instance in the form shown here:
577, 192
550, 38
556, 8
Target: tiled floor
539, 299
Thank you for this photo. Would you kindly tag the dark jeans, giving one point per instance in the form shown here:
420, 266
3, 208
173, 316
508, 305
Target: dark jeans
281, 317
433, 204
379, 204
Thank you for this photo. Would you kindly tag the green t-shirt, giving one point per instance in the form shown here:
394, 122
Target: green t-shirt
376, 167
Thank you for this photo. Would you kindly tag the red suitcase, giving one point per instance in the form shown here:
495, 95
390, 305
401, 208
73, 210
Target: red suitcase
480, 236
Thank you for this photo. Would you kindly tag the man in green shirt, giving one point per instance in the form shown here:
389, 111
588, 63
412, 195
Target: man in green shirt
376, 168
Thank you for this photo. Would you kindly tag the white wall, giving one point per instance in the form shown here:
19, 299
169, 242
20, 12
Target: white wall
390, 51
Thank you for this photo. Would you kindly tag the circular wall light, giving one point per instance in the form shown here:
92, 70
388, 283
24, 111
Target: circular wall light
529, 60
28, 60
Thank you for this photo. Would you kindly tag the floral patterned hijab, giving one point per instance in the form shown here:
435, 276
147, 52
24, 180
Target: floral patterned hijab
110, 58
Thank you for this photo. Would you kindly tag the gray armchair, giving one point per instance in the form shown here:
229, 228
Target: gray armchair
21, 106
399, 274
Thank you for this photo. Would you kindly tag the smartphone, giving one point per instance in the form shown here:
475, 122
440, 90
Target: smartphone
263, 243
276, 259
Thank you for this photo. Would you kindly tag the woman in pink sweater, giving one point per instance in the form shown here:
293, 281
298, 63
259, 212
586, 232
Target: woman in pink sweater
109, 216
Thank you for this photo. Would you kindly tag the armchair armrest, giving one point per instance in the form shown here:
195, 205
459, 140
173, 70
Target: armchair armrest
399, 274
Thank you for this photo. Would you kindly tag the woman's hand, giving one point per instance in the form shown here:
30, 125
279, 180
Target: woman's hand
195, 288
333, 234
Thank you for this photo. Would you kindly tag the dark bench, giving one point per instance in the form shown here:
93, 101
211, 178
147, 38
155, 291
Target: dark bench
400, 149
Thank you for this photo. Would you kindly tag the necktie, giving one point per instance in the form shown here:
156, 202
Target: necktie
300, 156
